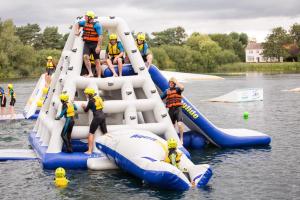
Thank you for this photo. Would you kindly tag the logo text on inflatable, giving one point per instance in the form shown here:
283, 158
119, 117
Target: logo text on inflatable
143, 136
190, 110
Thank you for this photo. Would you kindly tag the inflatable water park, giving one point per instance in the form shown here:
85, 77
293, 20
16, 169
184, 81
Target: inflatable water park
137, 121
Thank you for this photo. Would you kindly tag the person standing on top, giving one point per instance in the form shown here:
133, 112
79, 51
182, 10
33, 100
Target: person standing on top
2, 101
50, 69
143, 47
115, 53
12, 102
173, 102
67, 111
95, 104
92, 37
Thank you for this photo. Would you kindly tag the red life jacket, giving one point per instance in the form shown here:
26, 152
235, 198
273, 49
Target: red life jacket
173, 98
89, 33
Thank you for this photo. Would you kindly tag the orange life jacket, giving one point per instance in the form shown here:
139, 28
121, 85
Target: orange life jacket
89, 33
173, 98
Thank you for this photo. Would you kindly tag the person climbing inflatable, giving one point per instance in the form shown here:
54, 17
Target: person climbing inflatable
68, 111
50, 69
173, 156
174, 103
95, 104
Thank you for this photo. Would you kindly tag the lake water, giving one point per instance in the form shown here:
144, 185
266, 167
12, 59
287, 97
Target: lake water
256, 173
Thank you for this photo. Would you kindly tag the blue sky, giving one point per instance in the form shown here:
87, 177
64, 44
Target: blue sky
255, 17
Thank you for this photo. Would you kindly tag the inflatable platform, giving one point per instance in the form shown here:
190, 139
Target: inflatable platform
241, 95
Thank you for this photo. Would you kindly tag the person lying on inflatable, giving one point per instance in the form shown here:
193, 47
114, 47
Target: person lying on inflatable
173, 156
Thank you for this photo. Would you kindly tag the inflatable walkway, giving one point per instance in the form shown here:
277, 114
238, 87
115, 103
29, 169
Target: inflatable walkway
133, 110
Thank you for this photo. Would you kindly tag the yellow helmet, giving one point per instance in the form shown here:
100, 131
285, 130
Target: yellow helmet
113, 36
39, 103
10, 86
60, 172
45, 90
49, 58
90, 14
172, 143
141, 36
64, 97
89, 91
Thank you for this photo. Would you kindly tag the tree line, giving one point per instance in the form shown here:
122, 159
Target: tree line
283, 43
23, 49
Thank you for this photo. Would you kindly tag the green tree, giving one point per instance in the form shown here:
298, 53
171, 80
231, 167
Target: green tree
161, 58
224, 40
275, 42
170, 36
51, 39
29, 34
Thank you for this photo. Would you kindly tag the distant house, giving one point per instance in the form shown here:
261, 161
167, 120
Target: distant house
254, 53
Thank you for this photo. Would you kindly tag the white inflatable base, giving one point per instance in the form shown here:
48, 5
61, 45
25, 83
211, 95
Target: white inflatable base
184, 77
241, 95
17, 154
9, 117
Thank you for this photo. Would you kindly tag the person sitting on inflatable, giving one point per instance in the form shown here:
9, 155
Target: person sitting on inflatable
2, 101
95, 104
68, 111
92, 37
143, 47
50, 69
115, 53
12, 102
173, 156
173, 102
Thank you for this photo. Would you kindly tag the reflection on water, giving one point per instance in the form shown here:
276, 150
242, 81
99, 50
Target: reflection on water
250, 173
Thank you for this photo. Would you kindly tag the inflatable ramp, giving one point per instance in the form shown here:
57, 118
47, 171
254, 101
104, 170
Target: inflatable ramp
241, 95
198, 122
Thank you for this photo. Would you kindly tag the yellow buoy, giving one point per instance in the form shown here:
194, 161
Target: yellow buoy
60, 178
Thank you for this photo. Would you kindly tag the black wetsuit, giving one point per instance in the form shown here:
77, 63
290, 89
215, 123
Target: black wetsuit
99, 117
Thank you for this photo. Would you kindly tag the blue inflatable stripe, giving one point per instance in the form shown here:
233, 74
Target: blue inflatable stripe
75, 160
160, 179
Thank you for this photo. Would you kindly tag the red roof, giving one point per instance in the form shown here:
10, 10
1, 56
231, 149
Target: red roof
254, 45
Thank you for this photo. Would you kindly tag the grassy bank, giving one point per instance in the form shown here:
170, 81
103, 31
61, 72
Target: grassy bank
287, 67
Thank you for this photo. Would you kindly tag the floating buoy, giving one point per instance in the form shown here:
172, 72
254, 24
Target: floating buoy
246, 115
60, 178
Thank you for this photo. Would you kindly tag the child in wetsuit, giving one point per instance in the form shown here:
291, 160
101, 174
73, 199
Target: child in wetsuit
12, 102
68, 111
95, 104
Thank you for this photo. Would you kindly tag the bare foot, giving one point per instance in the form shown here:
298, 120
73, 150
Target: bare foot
91, 75
115, 75
88, 152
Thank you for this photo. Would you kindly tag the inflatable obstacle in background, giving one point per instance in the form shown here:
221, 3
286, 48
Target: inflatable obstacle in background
241, 95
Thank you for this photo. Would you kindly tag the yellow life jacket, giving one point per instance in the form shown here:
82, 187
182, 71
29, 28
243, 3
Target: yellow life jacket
113, 50
50, 65
178, 157
70, 110
140, 47
98, 102
92, 60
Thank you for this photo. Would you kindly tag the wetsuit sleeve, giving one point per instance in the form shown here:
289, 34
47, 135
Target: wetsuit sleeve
81, 23
75, 107
120, 47
163, 95
63, 112
98, 28
89, 106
